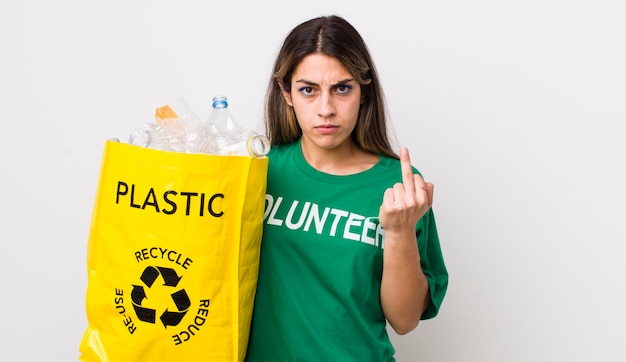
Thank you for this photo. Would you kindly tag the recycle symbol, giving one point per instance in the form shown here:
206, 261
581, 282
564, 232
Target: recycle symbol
180, 298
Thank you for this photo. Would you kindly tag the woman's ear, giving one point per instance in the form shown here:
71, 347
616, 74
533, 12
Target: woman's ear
286, 94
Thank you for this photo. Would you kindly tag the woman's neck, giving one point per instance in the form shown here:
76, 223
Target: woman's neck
346, 159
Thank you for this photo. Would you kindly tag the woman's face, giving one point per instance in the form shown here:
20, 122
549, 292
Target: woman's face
326, 101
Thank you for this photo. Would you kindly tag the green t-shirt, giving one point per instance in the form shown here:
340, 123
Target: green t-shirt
318, 295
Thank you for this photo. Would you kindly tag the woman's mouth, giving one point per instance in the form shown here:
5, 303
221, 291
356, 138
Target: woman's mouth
327, 128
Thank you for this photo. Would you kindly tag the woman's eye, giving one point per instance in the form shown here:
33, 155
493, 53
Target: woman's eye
307, 91
344, 89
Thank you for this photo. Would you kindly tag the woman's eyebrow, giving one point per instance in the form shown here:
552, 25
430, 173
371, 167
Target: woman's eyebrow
347, 80
308, 82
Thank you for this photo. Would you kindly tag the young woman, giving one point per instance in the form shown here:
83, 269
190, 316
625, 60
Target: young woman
350, 242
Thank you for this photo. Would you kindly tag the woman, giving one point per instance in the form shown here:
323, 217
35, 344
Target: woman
350, 241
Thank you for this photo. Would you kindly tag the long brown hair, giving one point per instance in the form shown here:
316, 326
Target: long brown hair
335, 37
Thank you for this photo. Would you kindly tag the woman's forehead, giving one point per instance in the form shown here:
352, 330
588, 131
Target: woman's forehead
321, 69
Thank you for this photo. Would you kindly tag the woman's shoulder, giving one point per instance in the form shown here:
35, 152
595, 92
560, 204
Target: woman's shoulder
278, 151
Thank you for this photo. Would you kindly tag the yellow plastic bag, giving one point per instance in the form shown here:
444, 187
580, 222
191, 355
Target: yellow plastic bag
172, 256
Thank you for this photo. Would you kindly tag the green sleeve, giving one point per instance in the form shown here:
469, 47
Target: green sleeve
432, 263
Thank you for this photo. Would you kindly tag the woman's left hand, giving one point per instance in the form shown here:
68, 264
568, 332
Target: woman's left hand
405, 203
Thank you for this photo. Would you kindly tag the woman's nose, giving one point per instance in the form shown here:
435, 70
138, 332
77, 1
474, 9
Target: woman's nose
326, 105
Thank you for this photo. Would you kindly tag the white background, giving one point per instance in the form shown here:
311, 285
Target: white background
516, 110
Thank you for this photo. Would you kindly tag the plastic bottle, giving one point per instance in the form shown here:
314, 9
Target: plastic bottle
228, 137
156, 137
178, 127
175, 129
